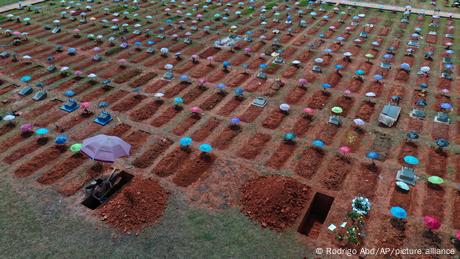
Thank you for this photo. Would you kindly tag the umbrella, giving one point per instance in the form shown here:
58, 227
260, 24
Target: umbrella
235, 120
103, 104
85, 105
239, 91
326, 86
338, 67
105, 148
378, 77
446, 106
442, 142
289, 136
425, 69
405, 66
370, 94
369, 55
318, 143
41, 131
76, 147
183, 78
337, 109
185, 141
69, 93
262, 66
360, 72
347, 54
431, 222
373, 155
169, 66
359, 122
412, 135
26, 127
196, 109
411, 160
178, 100
457, 235
205, 148
319, 60
308, 110
26, 78
398, 212
9, 117
61, 139
344, 149
387, 56
220, 86
435, 180
284, 107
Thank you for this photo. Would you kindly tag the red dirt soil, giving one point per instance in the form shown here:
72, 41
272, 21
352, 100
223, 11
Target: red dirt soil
140, 204
274, 201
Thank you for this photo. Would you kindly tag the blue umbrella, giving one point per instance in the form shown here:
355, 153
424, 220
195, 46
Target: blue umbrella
378, 77
185, 141
360, 72
235, 120
103, 104
206, 148
448, 66
450, 51
442, 142
446, 106
41, 131
226, 63
405, 66
61, 139
178, 100
26, 78
398, 212
239, 91
263, 66
423, 85
326, 86
340, 38
421, 102
395, 98
411, 160
338, 66
138, 43
183, 78
220, 86
387, 56
318, 143
69, 93
373, 155
40, 85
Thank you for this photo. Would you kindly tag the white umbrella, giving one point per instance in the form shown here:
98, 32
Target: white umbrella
425, 69
347, 54
9, 117
370, 94
359, 122
285, 107
159, 95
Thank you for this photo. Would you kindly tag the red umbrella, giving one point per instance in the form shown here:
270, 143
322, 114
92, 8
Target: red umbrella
431, 222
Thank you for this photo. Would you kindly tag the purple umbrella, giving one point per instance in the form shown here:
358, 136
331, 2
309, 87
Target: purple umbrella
105, 148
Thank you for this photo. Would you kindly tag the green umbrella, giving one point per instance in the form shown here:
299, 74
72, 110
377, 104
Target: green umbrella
435, 180
369, 55
76, 147
337, 109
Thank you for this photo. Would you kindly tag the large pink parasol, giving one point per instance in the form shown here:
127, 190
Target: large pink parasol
431, 222
105, 148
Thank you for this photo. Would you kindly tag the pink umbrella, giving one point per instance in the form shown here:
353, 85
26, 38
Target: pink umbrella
302, 81
16, 33
347, 92
85, 105
26, 128
196, 109
445, 91
76, 30
431, 222
308, 110
344, 150
457, 235
78, 73
96, 49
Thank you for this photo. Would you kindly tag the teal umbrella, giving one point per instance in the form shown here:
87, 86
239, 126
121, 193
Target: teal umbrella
41, 131
185, 141
26, 78
398, 212
205, 148
411, 160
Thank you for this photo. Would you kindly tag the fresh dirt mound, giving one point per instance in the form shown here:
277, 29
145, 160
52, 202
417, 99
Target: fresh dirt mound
140, 204
274, 201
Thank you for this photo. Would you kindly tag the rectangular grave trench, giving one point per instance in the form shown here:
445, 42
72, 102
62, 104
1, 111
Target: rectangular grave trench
93, 203
316, 215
